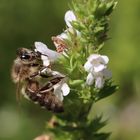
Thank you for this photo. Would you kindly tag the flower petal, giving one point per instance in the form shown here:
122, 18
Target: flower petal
69, 17
99, 82
88, 66
57, 74
43, 49
93, 57
105, 59
65, 89
40, 47
99, 68
90, 79
46, 61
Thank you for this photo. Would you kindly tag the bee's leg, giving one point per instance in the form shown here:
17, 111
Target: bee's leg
46, 72
32, 89
43, 72
33, 75
49, 85
56, 80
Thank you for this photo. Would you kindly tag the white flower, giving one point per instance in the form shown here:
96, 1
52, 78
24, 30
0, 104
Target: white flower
96, 66
96, 63
69, 17
59, 40
61, 89
99, 82
90, 79
46, 61
47, 55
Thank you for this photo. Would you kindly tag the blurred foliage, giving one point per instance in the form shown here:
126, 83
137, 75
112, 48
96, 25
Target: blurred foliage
23, 22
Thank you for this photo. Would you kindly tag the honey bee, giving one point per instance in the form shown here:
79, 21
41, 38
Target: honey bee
29, 70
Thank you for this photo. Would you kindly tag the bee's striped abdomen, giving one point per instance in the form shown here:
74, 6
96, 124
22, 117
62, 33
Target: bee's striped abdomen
44, 96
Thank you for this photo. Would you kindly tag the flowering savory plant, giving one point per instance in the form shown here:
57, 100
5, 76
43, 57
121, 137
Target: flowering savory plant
87, 76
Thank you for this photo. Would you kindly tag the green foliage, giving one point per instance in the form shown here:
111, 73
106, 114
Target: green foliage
84, 130
93, 22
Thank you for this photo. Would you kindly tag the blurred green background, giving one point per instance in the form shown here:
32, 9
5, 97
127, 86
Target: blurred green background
24, 21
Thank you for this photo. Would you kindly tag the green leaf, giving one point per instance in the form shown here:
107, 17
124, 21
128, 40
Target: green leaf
75, 83
102, 136
97, 123
100, 10
110, 8
106, 91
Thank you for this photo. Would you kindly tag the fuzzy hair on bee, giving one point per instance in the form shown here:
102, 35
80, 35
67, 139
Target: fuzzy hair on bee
27, 63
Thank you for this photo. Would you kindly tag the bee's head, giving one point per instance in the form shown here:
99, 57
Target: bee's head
25, 54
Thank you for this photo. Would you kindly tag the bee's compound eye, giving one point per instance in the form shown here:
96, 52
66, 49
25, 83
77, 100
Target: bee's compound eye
25, 56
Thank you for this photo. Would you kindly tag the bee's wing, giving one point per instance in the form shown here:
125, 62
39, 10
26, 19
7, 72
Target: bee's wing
44, 50
44, 96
